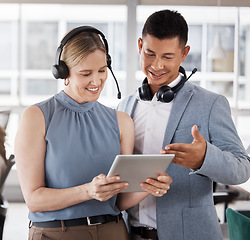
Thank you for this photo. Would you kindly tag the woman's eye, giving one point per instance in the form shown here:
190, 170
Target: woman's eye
86, 75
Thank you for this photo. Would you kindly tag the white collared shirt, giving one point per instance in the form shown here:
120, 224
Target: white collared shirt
150, 120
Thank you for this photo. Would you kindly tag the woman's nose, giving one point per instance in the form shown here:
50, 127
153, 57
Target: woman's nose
96, 80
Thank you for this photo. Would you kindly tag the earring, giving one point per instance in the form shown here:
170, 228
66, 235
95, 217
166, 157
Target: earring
66, 81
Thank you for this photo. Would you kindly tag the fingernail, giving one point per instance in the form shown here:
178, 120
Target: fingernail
167, 148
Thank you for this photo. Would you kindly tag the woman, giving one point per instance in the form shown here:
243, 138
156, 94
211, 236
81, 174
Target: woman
66, 143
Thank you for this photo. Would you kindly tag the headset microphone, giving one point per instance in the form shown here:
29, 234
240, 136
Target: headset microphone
193, 72
117, 86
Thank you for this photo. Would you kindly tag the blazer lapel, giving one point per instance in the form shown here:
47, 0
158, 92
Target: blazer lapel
128, 105
179, 105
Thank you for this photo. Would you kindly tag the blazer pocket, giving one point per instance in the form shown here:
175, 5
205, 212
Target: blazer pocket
201, 223
184, 134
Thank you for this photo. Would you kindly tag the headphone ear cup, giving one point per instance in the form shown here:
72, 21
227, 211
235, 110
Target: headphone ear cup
165, 94
55, 71
145, 92
61, 70
109, 61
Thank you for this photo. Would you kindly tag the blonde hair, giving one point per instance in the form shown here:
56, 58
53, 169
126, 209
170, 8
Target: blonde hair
2, 141
81, 46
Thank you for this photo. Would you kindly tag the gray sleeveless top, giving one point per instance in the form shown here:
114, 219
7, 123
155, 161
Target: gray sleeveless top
82, 142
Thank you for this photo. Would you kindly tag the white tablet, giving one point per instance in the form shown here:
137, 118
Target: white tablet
135, 169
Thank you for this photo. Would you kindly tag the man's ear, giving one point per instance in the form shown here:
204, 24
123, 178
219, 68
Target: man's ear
140, 45
185, 52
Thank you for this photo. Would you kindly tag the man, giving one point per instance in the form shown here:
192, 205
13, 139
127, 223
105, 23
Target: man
196, 126
3, 160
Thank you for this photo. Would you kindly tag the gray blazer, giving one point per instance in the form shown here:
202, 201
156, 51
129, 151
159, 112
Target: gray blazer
187, 211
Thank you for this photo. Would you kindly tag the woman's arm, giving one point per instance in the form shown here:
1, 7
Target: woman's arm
126, 126
30, 149
157, 187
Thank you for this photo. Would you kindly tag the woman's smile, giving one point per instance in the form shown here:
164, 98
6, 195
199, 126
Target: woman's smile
93, 89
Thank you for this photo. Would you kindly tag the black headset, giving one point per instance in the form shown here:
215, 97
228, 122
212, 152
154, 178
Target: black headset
165, 93
61, 70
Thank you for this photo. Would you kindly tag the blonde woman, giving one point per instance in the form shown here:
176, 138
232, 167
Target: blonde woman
66, 144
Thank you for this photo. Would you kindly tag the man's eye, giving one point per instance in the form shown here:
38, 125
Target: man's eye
150, 54
168, 58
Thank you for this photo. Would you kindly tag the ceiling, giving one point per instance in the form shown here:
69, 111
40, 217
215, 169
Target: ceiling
227, 3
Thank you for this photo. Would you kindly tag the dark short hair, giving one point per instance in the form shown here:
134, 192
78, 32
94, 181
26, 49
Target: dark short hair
166, 24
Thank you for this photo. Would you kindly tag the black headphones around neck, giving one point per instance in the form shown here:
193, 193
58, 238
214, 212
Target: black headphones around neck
165, 93
61, 70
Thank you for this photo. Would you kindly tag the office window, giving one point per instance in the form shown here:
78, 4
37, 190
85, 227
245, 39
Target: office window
41, 87
243, 87
226, 33
8, 59
5, 86
41, 44
243, 49
193, 59
118, 48
29, 42
222, 87
6, 49
103, 27
244, 129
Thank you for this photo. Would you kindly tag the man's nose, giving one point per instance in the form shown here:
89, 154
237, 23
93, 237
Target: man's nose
157, 64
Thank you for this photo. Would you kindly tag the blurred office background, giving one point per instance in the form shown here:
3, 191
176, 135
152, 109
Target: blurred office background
31, 31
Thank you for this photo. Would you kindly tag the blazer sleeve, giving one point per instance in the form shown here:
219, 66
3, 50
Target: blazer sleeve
226, 160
